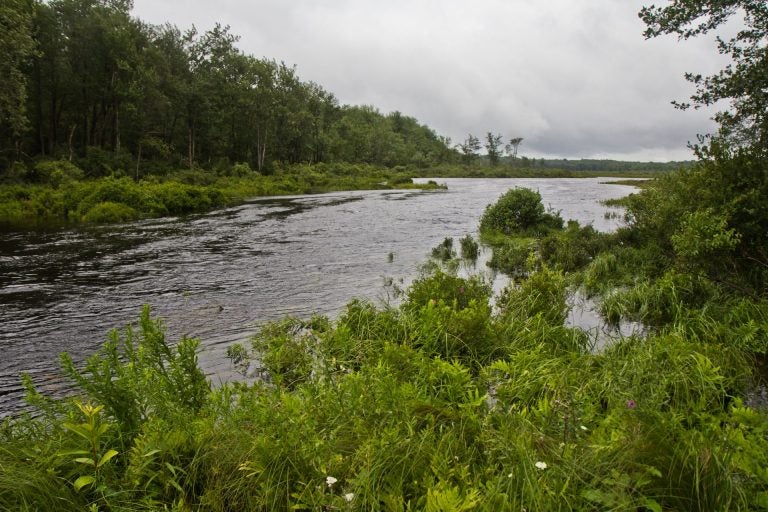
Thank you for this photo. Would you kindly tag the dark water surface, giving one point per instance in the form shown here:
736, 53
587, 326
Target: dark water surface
218, 276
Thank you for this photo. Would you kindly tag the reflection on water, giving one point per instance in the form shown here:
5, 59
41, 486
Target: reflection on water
218, 276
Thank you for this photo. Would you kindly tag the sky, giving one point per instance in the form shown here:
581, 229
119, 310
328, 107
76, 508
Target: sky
574, 78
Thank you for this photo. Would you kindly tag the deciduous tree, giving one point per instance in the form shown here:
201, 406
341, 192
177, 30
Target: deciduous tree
744, 82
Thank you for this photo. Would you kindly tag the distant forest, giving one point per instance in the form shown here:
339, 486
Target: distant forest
84, 81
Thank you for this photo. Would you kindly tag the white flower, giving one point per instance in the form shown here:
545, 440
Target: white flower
349, 496
329, 481
510, 475
584, 428
541, 465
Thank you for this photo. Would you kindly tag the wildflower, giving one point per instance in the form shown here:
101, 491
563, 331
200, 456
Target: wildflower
349, 496
329, 481
584, 428
631, 404
541, 465
461, 290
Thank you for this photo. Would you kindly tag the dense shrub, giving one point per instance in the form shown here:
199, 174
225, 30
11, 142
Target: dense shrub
55, 172
519, 211
444, 250
573, 248
470, 249
108, 212
445, 287
511, 256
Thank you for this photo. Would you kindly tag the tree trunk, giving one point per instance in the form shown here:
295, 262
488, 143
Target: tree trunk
138, 161
69, 140
191, 147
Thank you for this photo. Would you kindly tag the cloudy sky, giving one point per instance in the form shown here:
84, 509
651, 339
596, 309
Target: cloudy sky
574, 78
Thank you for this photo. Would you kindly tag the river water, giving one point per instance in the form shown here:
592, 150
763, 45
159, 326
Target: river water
218, 276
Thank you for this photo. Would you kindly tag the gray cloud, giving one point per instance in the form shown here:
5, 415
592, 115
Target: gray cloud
575, 79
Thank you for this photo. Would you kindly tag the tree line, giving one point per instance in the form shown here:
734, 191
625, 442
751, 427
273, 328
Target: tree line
83, 80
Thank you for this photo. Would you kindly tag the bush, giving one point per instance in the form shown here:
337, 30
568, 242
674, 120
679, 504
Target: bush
511, 256
241, 169
447, 288
519, 211
109, 212
55, 172
444, 251
573, 248
470, 249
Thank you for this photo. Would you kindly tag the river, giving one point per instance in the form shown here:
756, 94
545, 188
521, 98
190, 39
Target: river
218, 276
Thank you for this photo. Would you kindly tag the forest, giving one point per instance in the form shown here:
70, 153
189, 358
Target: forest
84, 81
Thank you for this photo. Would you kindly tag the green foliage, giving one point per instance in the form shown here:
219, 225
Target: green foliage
446, 288
108, 212
121, 199
543, 293
137, 375
90, 433
519, 211
573, 248
444, 251
55, 172
438, 404
470, 249
512, 255
742, 81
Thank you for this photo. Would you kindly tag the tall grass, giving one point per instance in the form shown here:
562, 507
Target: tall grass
439, 404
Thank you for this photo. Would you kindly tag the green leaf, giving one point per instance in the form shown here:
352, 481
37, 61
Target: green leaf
86, 460
83, 481
652, 505
106, 457
83, 430
69, 453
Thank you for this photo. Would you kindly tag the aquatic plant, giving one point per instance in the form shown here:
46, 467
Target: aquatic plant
444, 250
470, 249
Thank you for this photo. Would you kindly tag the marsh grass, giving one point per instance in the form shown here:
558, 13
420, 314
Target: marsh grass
440, 403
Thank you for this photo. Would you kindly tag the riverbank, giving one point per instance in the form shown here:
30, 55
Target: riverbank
62, 200
56, 194
440, 403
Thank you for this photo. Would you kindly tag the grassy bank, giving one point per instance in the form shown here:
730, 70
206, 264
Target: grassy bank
59, 198
442, 403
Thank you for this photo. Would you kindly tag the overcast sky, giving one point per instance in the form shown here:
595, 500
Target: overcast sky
574, 78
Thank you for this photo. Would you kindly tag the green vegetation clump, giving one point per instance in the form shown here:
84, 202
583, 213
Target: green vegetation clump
518, 211
112, 199
109, 212
470, 249
444, 250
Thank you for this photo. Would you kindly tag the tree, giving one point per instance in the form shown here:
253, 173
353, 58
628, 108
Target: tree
17, 48
511, 148
744, 82
721, 233
469, 148
493, 146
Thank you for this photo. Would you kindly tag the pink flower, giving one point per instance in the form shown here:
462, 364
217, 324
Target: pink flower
631, 404
461, 290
